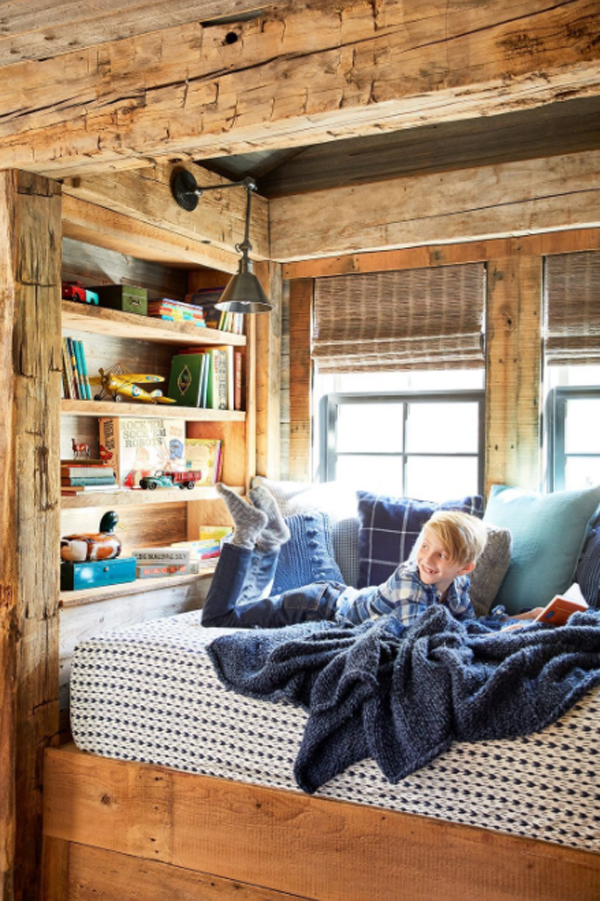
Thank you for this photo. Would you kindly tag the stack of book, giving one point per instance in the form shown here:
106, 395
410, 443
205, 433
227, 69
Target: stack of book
207, 298
156, 562
210, 378
75, 382
86, 475
176, 311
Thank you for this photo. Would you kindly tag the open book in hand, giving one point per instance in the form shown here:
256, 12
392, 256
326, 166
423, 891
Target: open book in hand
557, 612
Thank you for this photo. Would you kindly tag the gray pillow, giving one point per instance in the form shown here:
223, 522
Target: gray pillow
490, 570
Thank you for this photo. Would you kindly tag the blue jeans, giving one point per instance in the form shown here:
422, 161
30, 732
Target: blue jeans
242, 578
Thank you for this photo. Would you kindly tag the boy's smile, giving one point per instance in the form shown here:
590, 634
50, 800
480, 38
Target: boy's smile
434, 563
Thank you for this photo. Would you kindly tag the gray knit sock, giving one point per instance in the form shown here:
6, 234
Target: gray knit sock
275, 532
249, 521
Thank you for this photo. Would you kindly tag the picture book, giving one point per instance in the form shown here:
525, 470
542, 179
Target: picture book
560, 608
205, 454
141, 447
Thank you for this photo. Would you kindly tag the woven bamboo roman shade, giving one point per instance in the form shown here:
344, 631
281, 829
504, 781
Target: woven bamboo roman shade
572, 308
409, 319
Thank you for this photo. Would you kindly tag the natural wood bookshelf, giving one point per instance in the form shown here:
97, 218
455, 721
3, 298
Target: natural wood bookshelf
138, 497
111, 408
128, 589
117, 324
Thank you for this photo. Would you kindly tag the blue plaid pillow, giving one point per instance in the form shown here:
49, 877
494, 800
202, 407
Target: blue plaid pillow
389, 527
588, 569
308, 555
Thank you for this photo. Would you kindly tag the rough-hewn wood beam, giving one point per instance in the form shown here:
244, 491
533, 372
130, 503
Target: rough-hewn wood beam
491, 201
38, 29
307, 73
30, 515
206, 236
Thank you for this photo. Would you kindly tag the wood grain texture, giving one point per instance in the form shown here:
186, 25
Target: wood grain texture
36, 29
513, 371
268, 374
145, 196
577, 239
292, 843
303, 74
29, 447
518, 198
300, 380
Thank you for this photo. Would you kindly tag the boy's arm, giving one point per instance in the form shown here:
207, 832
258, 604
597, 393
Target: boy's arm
400, 595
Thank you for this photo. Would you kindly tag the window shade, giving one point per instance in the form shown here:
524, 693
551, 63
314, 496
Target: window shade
409, 319
572, 308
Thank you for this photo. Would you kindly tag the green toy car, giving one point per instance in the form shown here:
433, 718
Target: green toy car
158, 480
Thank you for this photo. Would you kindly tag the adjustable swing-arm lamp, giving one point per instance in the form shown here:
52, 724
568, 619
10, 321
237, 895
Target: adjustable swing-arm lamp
244, 293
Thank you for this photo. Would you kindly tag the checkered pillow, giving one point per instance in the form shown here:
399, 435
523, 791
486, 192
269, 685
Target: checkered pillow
389, 527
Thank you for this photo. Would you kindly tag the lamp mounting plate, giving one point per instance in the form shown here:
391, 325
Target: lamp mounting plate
185, 190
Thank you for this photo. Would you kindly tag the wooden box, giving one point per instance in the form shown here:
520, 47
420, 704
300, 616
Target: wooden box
96, 573
123, 297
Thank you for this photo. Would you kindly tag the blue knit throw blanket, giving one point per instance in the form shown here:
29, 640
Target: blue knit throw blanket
403, 695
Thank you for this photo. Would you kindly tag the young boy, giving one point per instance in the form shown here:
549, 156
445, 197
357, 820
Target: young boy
446, 552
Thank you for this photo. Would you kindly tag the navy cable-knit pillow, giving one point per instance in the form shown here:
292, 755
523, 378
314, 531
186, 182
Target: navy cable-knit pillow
308, 555
389, 527
588, 569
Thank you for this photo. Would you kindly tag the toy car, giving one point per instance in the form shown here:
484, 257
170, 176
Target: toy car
76, 291
158, 480
186, 479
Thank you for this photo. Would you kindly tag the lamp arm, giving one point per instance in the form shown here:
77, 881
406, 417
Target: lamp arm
186, 190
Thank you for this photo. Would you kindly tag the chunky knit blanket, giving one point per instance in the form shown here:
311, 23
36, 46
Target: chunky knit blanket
403, 695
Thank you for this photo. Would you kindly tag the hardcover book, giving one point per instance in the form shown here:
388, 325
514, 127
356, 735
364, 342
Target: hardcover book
140, 447
186, 379
204, 454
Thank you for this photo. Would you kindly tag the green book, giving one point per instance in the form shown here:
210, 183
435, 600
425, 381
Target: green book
185, 380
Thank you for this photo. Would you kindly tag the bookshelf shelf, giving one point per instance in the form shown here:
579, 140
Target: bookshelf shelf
158, 411
116, 324
138, 497
128, 589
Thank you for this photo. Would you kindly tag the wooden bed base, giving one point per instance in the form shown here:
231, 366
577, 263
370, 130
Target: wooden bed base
119, 831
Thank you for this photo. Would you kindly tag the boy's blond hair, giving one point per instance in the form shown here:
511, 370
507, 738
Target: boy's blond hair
464, 536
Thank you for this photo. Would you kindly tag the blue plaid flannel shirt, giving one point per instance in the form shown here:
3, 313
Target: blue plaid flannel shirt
405, 596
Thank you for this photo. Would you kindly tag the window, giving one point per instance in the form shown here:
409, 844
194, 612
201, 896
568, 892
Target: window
573, 415
428, 445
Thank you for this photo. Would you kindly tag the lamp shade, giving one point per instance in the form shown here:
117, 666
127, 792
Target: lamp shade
244, 293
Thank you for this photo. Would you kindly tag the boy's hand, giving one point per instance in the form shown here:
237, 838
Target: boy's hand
529, 615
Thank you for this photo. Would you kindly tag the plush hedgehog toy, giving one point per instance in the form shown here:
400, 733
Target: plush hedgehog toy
102, 545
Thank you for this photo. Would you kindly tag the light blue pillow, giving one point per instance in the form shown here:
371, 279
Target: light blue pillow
308, 555
548, 531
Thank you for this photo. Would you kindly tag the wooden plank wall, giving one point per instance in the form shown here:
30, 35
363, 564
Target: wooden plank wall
513, 340
30, 223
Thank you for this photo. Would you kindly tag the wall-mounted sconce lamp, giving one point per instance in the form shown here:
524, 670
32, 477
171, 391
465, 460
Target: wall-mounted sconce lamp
244, 293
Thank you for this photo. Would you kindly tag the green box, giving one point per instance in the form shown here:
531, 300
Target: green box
97, 573
123, 297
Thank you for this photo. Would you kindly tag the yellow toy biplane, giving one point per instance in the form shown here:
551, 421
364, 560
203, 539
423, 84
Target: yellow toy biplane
117, 382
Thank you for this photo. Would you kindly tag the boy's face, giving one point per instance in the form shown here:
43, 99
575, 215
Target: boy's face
434, 563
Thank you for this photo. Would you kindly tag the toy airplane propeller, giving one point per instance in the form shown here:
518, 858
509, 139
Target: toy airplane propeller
117, 382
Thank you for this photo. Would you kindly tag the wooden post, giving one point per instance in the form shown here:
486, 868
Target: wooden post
268, 374
30, 235
301, 294
513, 382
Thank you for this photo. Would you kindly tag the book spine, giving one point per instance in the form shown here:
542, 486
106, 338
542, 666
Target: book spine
84, 472
158, 571
86, 480
162, 556
84, 370
237, 375
68, 370
78, 389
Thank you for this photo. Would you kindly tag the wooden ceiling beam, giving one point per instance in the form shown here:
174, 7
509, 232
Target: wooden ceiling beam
208, 234
520, 198
300, 74
39, 29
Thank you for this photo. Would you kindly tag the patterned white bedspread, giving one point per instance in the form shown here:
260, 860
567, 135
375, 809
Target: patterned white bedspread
150, 694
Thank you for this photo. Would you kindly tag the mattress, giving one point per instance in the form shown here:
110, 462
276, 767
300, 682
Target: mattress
150, 694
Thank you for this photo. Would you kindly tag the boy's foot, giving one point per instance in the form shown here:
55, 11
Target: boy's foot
276, 531
249, 521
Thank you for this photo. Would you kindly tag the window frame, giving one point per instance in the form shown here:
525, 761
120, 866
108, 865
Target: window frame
556, 407
330, 404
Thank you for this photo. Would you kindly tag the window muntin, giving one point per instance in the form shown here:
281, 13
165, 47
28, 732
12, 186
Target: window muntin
419, 444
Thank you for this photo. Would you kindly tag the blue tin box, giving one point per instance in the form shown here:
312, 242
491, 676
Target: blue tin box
97, 573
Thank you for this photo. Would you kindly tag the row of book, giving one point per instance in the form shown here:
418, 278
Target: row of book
177, 311
75, 379
210, 378
182, 557
208, 298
